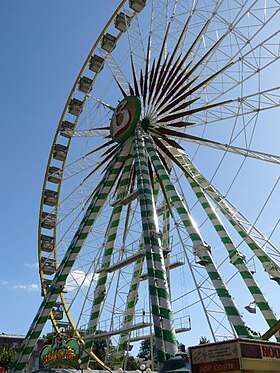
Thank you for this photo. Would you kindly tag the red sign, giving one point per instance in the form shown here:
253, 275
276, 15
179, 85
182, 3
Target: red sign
260, 351
270, 352
234, 355
217, 366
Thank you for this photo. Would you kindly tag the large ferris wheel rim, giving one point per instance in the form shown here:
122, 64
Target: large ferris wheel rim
84, 68
71, 94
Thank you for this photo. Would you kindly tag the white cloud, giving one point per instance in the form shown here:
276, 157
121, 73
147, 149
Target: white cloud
31, 265
33, 287
24, 287
3, 282
78, 279
28, 287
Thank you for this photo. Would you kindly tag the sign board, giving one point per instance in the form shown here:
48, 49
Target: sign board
61, 354
234, 356
260, 356
215, 357
125, 118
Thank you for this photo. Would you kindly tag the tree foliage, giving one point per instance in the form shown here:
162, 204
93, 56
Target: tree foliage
102, 347
145, 351
203, 340
132, 364
48, 338
7, 357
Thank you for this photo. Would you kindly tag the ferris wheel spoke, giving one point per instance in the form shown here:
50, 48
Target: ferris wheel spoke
176, 98
101, 102
104, 269
100, 290
65, 266
240, 20
145, 75
158, 21
71, 204
196, 43
191, 112
260, 245
136, 43
201, 249
110, 237
250, 71
251, 104
117, 73
236, 257
111, 151
264, 45
102, 147
205, 289
166, 77
157, 69
158, 76
164, 82
80, 283
234, 149
132, 300
80, 165
136, 85
130, 309
160, 297
93, 132
67, 207
258, 24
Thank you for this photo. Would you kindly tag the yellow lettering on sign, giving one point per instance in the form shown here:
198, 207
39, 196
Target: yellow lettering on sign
59, 354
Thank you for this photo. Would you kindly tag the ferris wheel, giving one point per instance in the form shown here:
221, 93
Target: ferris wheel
158, 215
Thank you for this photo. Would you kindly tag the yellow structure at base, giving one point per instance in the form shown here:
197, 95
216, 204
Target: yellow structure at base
236, 356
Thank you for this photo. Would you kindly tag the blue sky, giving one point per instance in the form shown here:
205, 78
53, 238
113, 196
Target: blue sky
43, 45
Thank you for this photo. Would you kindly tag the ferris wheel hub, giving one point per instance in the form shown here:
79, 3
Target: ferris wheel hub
125, 118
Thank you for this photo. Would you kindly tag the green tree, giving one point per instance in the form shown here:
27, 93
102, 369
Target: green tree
131, 364
7, 357
203, 340
145, 350
102, 347
48, 338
